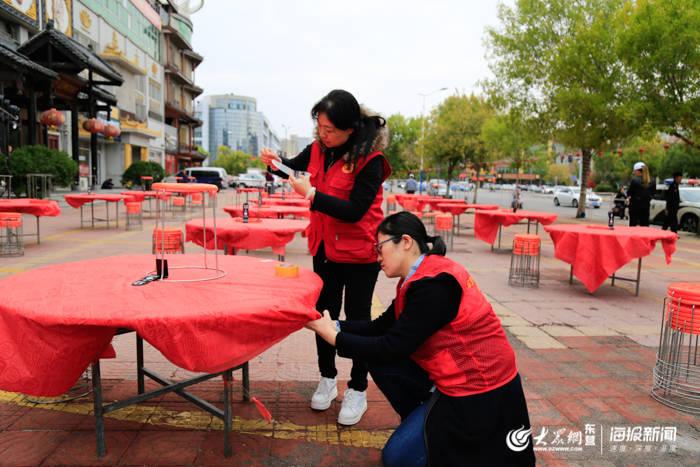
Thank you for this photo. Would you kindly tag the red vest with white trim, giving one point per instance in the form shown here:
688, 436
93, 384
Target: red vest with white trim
344, 242
471, 354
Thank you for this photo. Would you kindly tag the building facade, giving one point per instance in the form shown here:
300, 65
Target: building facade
234, 121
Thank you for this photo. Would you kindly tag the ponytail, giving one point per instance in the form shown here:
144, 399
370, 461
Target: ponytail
439, 247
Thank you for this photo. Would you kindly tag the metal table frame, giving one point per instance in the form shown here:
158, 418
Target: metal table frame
636, 281
142, 372
94, 219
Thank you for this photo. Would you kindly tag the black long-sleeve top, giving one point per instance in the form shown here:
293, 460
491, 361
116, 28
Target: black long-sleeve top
638, 192
367, 183
430, 304
673, 196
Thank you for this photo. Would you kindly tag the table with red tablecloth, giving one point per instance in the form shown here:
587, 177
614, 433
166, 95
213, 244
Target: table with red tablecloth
248, 191
34, 207
596, 252
233, 234
269, 212
457, 208
286, 202
141, 196
80, 199
489, 223
57, 320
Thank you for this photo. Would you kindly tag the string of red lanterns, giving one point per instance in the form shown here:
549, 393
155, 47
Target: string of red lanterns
52, 118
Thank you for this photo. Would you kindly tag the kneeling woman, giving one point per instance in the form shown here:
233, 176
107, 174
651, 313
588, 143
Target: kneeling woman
441, 358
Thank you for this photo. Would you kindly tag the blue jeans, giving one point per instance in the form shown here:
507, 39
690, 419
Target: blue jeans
406, 447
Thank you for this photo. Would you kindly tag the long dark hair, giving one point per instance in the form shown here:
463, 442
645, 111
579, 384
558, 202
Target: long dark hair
344, 112
405, 223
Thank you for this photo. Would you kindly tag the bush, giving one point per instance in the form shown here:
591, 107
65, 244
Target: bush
40, 159
605, 188
132, 175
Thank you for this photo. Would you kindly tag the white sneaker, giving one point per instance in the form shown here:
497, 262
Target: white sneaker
353, 407
326, 392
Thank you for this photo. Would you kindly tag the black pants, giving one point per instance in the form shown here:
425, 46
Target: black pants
639, 214
671, 219
470, 430
358, 281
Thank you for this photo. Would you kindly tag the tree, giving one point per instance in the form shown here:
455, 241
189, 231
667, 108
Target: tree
507, 136
40, 159
558, 174
681, 158
235, 161
402, 150
556, 62
658, 43
454, 135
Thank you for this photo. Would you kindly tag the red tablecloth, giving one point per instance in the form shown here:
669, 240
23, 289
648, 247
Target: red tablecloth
286, 202
275, 233
595, 252
56, 320
293, 195
486, 222
78, 200
35, 207
269, 212
458, 207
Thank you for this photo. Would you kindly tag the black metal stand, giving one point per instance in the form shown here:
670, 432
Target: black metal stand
94, 219
168, 386
508, 250
613, 278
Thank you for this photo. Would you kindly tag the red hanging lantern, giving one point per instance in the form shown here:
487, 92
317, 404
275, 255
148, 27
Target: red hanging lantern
93, 125
52, 117
641, 150
111, 131
619, 152
666, 146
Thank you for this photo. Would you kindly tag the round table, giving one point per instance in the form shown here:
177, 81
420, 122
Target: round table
35, 207
595, 252
489, 223
269, 212
286, 202
234, 234
78, 200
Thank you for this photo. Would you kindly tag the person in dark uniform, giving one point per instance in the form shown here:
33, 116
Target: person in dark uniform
673, 203
347, 169
440, 356
639, 195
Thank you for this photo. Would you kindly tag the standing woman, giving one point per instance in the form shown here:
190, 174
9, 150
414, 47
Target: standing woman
639, 195
346, 168
441, 358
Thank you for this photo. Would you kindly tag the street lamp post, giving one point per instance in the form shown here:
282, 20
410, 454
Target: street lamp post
422, 139
286, 141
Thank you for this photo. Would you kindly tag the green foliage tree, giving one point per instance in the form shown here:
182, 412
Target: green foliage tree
132, 175
556, 62
558, 174
506, 135
40, 159
658, 43
402, 150
234, 161
681, 158
454, 136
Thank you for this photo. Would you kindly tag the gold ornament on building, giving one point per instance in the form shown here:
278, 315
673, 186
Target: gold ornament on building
154, 69
85, 19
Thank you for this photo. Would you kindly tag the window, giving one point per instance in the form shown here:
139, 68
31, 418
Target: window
154, 90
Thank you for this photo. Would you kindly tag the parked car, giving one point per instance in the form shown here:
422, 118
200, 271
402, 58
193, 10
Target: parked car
212, 175
569, 196
248, 180
688, 213
534, 188
547, 190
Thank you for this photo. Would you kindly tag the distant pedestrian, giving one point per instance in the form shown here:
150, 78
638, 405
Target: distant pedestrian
639, 195
673, 203
411, 185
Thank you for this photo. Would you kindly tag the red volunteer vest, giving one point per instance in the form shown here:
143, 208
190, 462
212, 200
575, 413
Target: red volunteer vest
471, 354
344, 242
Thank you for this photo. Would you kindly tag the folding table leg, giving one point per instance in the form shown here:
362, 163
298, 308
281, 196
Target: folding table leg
246, 382
38, 235
97, 404
639, 275
228, 416
139, 365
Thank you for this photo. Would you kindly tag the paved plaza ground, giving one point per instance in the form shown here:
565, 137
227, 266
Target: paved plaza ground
585, 359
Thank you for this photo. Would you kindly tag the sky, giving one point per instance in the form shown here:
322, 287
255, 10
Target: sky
288, 54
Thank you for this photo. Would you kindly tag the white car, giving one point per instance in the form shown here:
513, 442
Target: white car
688, 213
547, 190
569, 196
248, 180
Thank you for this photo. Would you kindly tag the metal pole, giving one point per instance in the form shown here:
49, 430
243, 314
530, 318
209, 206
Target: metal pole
97, 405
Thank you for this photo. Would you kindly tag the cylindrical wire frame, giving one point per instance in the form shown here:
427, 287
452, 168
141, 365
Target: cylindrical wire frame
677, 370
160, 220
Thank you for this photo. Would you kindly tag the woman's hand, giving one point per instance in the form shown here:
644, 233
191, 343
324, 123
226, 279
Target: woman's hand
301, 185
324, 327
268, 155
